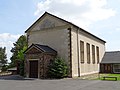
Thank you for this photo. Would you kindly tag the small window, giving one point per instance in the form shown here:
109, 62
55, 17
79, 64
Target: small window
97, 51
88, 52
116, 68
93, 54
82, 51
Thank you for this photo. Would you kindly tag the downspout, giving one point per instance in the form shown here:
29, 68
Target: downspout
70, 43
78, 52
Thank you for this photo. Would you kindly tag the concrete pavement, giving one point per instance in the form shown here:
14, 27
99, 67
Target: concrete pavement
62, 84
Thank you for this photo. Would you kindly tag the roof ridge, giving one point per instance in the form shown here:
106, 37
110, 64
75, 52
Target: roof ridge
111, 51
66, 22
41, 45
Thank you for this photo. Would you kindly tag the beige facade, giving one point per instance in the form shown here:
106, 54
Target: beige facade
85, 68
64, 37
55, 38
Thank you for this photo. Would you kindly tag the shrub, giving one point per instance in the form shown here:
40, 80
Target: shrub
57, 68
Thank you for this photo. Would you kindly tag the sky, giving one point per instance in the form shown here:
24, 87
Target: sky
99, 17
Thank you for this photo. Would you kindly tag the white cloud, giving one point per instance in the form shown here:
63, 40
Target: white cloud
81, 12
7, 37
7, 40
118, 29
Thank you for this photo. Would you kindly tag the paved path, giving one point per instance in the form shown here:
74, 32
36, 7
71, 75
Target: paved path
11, 77
64, 84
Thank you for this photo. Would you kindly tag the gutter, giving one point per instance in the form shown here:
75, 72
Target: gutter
78, 52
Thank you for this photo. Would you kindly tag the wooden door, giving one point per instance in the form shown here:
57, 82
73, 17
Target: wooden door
33, 70
107, 68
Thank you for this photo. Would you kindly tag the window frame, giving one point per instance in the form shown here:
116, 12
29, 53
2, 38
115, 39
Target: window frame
93, 54
88, 53
98, 54
82, 51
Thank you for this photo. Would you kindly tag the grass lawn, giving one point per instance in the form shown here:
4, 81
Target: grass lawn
111, 75
100, 77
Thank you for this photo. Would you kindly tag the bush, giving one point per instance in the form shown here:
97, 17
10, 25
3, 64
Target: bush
57, 68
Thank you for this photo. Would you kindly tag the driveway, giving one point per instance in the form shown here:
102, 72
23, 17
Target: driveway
11, 77
63, 84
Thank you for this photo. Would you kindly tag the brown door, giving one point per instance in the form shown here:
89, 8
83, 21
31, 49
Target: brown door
107, 68
33, 69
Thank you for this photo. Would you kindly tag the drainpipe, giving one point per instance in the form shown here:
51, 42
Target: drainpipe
70, 36
78, 52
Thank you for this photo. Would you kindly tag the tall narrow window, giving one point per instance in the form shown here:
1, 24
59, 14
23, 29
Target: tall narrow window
82, 51
97, 51
93, 54
88, 52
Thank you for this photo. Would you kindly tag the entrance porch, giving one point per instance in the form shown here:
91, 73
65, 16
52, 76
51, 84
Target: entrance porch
37, 60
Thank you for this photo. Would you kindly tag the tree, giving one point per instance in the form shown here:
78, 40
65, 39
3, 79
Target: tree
58, 68
18, 54
3, 58
21, 60
18, 46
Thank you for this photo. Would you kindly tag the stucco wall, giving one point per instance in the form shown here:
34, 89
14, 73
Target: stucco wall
85, 68
56, 38
50, 31
47, 21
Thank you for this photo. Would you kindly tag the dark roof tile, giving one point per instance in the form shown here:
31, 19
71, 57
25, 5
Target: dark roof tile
45, 48
111, 57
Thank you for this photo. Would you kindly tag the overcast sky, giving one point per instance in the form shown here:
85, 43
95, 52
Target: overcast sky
99, 17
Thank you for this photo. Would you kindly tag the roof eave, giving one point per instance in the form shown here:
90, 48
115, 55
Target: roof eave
35, 22
88, 33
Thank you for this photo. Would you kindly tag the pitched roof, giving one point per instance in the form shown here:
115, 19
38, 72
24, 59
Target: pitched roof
111, 57
66, 22
42, 48
45, 48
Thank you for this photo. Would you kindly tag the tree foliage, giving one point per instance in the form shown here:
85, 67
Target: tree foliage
3, 58
18, 53
58, 68
17, 50
21, 60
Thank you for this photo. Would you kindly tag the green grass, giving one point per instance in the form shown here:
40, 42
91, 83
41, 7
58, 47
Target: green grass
116, 75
